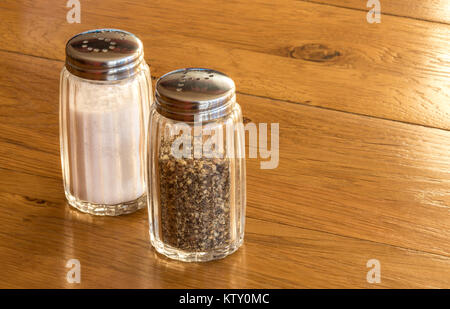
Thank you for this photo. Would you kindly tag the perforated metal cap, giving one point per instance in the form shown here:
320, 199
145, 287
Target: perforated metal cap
186, 93
104, 54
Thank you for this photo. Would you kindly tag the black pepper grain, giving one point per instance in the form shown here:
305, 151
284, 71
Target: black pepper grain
194, 201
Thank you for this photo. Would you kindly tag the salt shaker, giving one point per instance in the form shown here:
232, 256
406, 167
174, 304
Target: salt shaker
105, 96
196, 166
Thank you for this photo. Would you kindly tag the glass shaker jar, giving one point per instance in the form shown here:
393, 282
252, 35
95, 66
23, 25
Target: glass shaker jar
105, 93
196, 166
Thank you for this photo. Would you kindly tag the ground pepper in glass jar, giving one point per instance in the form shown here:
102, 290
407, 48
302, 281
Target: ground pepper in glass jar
196, 166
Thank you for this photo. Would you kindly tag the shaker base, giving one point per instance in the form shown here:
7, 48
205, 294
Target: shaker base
184, 256
107, 210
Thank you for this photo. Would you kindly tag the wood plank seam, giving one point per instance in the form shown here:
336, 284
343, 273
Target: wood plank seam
382, 13
351, 237
266, 97
41, 201
26, 173
342, 111
405, 79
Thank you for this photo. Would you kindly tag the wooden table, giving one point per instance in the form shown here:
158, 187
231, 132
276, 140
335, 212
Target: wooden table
364, 170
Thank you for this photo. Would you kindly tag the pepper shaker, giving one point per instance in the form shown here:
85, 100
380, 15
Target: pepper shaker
196, 166
105, 96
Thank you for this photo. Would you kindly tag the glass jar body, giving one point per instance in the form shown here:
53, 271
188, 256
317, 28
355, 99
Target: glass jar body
102, 138
196, 180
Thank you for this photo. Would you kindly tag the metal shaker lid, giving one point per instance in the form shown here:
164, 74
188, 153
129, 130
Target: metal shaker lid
104, 54
186, 93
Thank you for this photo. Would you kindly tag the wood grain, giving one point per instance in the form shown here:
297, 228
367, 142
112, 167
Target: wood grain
116, 253
349, 187
398, 69
349, 193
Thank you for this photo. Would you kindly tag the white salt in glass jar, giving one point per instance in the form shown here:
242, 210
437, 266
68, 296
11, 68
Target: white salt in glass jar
105, 96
